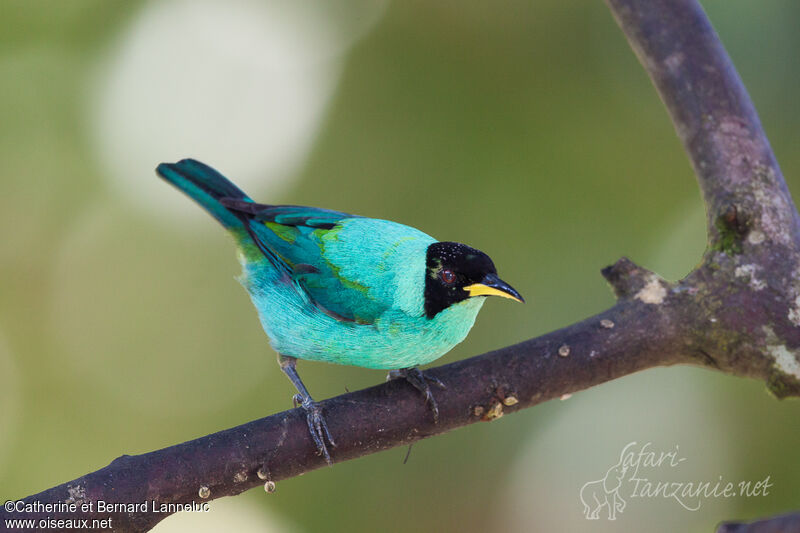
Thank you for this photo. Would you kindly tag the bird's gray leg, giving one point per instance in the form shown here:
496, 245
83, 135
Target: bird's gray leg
316, 423
419, 380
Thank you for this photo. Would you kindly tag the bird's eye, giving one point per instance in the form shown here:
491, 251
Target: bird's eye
447, 276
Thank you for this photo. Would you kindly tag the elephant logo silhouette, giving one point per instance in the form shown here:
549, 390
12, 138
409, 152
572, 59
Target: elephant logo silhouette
604, 493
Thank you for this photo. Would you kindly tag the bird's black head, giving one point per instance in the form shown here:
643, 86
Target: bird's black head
455, 272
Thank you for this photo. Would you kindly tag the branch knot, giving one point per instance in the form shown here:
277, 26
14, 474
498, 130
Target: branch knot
628, 280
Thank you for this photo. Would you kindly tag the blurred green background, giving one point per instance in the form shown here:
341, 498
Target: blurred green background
524, 128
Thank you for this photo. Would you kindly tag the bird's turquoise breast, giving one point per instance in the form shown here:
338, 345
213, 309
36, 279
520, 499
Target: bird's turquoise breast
374, 270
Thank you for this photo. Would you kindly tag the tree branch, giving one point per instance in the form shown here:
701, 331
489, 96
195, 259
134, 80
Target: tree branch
737, 312
749, 281
779, 524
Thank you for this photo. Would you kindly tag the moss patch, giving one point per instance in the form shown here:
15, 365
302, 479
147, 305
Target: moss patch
730, 236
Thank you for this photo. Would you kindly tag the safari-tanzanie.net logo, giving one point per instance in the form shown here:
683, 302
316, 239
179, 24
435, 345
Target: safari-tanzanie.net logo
635, 476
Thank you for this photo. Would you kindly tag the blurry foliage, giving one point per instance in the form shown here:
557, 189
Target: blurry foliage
526, 129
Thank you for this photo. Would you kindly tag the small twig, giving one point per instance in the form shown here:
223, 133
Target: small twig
787, 523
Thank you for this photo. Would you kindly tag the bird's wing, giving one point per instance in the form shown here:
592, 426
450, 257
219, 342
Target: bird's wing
288, 215
301, 237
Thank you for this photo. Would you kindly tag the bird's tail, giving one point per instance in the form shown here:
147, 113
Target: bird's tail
205, 186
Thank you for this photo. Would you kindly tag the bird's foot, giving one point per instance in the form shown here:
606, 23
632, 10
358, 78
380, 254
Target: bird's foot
420, 381
316, 425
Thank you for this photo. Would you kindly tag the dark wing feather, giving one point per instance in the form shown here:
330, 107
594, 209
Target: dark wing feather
287, 215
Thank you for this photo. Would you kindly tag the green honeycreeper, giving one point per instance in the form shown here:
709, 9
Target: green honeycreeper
345, 289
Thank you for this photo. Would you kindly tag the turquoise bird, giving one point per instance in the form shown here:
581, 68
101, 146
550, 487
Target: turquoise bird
346, 289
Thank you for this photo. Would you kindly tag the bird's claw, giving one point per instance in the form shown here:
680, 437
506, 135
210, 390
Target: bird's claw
436, 381
420, 381
316, 425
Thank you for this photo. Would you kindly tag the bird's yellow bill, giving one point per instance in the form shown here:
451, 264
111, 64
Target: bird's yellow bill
479, 289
